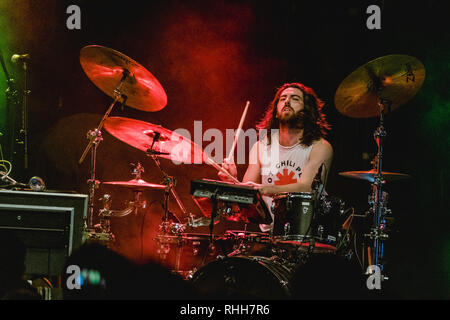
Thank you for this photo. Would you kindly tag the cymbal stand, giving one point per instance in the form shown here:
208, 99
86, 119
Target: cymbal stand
170, 182
378, 233
95, 137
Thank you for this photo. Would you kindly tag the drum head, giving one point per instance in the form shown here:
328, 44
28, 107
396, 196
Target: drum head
242, 277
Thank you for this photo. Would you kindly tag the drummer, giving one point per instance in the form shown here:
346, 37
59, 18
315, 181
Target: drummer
295, 128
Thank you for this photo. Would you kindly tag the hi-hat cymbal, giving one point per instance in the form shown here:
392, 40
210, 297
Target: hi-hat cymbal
136, 184
395, 78
370, 175
168, 144
105, 68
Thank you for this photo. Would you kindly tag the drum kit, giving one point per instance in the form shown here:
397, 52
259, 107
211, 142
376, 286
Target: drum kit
307, 222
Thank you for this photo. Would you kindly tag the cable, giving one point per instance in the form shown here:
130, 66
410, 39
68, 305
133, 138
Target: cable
8, 170
356, 252
348, 229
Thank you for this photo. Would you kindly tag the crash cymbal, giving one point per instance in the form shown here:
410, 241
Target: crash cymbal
369, 175
169, 145
105, 68
137, 184
396, 78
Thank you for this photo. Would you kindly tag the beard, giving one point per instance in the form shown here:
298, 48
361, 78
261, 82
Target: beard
293, 120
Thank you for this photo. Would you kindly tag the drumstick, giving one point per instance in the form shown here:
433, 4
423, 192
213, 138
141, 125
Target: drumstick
236, 137
210, 161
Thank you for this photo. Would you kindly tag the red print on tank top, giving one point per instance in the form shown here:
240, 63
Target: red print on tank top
286, 178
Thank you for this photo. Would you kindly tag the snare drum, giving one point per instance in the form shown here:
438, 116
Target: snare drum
187, 252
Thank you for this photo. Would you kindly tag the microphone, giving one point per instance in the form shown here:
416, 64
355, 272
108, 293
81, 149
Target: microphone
20, 57
317, 184
318, 178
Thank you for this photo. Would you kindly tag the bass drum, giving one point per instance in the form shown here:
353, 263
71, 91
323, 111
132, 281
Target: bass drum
186, 253
243, 277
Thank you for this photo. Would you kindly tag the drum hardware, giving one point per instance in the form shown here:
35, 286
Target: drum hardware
95, 137
172, 228
169, 182
156, 141
375, 89
287, 225
128, 83
248, 277
199, 222
234, 202
243, 242
320, 230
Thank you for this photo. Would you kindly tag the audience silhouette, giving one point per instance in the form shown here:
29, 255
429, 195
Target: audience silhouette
13, 286
328, 277
117, 277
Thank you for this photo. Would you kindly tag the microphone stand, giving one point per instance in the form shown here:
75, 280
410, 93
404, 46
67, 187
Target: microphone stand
11, 100
24, 129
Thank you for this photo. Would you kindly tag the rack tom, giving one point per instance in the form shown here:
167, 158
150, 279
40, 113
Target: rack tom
300, 220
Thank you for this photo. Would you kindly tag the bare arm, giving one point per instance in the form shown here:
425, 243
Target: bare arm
322, 152
253, 173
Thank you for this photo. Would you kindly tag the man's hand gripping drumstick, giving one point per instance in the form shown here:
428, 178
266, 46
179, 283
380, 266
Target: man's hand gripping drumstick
228, 163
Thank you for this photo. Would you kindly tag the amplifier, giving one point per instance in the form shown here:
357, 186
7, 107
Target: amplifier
50, 225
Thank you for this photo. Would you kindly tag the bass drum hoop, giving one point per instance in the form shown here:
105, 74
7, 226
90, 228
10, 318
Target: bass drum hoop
231, 274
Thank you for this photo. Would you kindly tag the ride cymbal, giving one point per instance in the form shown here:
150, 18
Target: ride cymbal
393, 78
370, 175
154, 139
106, 68
136, 184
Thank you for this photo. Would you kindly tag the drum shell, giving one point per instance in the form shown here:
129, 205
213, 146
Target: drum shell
186, 252
243, 277
293, 214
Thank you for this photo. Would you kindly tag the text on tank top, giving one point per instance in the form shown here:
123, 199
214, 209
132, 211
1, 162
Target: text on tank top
281, 165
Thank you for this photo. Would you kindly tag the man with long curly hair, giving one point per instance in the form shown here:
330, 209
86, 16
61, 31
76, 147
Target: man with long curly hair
291, 149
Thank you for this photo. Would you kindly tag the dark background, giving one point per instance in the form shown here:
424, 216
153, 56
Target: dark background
211, 57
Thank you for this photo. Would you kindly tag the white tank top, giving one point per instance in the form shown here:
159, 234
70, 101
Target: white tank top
280, 165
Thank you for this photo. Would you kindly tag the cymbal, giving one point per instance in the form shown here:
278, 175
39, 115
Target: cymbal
137, 184
396, 78
169, 144
105, 68
370, 175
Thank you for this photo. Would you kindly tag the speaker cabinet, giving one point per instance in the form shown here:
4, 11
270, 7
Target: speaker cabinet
49, 224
